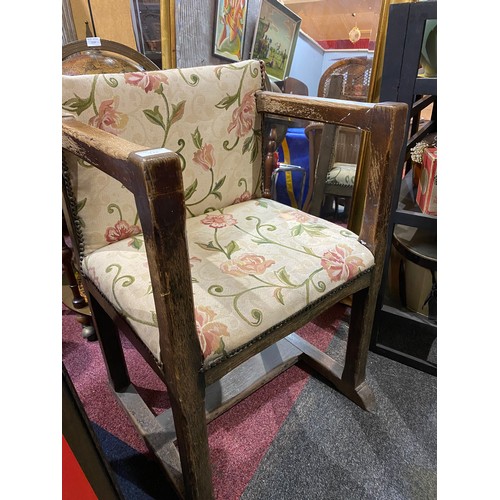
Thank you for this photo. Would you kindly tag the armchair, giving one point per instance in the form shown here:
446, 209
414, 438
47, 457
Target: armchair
167, 182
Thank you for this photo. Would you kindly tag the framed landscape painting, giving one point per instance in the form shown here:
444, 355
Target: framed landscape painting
230, 20
275, 37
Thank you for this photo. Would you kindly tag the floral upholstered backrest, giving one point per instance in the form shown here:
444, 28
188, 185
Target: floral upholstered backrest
207, 115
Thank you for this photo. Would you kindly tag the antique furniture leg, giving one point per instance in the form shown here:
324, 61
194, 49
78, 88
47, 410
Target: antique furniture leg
75, 302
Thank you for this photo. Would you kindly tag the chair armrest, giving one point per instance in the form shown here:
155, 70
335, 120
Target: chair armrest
317, 109
123, 160
154, 176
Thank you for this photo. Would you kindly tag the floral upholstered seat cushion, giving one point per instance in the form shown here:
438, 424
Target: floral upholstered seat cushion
207, 115
342, 174
253, 264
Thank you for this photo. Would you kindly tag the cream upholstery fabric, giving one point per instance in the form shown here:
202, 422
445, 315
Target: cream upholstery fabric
207, 115
251, 267
342, 174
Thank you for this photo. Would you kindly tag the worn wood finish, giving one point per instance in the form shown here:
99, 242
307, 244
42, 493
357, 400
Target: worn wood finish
334, 372
154, 435
336, 111
155, 179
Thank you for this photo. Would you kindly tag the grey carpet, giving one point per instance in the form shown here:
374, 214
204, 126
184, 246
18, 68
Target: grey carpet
330, 449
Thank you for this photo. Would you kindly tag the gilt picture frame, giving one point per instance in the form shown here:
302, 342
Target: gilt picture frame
275, 38
229, 33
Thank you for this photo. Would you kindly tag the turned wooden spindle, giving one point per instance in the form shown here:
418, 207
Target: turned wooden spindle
67, 255
270, 162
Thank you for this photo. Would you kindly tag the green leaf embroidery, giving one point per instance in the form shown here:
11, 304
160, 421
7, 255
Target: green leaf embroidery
136, 243
231, 248
299, 229
278, 295
227, 101
221, 349
310, 229
284, 277
209, 246
197, 139
313, 229
80, 205
247, 144
154, 116
255, 150
218, 72
77, 104
177, 112
218, 185
190, 190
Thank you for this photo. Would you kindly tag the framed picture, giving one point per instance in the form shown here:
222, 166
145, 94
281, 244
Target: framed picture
276, 34
230, 20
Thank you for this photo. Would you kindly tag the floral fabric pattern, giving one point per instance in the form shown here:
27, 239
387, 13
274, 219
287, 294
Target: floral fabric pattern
252, 264
188, 111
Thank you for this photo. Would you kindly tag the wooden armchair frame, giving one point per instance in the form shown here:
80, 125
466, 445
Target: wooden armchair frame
179, 436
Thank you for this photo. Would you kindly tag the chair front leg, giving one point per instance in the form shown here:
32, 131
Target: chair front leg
358, 343
111, 346
188, 410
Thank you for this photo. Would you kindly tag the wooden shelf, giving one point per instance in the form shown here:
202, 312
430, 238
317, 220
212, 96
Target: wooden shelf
399, 333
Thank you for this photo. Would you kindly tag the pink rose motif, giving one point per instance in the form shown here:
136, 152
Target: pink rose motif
246, 264
149, 82
244, 197
219, 221
209, 331
340, 265
108, 118
298, 216
243, 116
193, 260
121, 230
205, 157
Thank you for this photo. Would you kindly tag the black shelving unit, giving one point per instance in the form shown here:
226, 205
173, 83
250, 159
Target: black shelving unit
399, 332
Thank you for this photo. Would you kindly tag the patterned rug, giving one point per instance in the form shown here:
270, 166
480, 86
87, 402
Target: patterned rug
294, 438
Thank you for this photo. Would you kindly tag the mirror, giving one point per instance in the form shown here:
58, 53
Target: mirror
332, 30
341, 40
154, 29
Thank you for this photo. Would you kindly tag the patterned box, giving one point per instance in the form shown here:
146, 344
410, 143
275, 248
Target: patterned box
427, 185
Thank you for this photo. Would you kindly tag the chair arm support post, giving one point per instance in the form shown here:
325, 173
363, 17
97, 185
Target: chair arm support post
160, 202
385, 142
